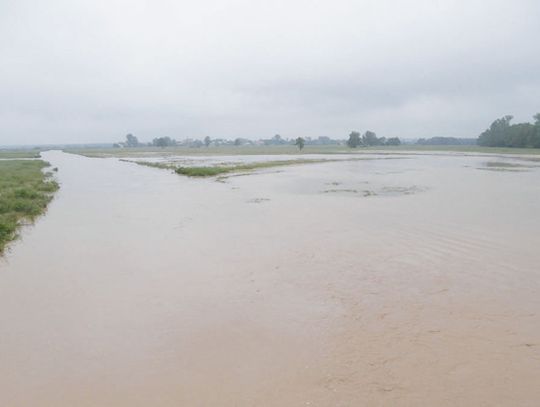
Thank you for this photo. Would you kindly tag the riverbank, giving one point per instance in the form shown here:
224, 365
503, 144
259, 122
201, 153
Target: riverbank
25, 192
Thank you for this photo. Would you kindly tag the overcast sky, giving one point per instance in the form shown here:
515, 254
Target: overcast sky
75, 71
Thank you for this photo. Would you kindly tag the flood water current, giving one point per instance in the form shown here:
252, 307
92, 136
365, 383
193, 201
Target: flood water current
407, 280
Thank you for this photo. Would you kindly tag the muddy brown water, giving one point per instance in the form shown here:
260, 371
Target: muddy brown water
289, 287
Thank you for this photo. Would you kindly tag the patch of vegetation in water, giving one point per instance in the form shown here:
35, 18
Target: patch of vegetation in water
500, 169
401, 190
206, 171
364, 193
258, 200
505, 166
223, 171
384, 191
211, 171
502, 164
25, 192
163, 166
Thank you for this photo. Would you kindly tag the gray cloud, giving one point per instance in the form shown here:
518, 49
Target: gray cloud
91, 71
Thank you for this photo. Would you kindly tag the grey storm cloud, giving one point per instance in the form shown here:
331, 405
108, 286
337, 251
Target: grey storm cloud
91, 71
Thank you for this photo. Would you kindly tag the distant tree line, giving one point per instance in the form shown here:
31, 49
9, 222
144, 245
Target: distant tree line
446, 141
369, 139
308, 141
503, 134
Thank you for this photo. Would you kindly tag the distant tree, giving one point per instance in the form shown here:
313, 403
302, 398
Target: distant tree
163, 142
160, 142
131, 141
354, 139
393, 141
521, 135
503, 134
496, 134
238, 142
300, 142
535, 139
207, 141
276, 140
116, 145
324, 140
370, 139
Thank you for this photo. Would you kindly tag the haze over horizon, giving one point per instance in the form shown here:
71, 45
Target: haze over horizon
92, 71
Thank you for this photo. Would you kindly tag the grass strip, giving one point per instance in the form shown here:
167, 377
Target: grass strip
10, 154
25, 192
212, 171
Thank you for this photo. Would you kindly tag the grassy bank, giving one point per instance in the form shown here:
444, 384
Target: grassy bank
25, 192
19, 154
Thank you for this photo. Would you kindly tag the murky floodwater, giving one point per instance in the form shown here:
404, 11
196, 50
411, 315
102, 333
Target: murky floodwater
409, 282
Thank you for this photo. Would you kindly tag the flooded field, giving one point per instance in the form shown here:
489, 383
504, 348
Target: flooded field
412, 281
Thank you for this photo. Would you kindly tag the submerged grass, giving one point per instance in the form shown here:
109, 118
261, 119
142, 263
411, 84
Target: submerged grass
163, 166
224, 169
501, 164
25, 192
209, 171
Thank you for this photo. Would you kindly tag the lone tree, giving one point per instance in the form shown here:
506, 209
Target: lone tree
278, 140
163, 142
131, 141
354, 139
300, 142
207, 141
393, 141
370, 139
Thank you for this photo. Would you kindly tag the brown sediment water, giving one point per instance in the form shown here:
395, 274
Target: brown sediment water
144, 288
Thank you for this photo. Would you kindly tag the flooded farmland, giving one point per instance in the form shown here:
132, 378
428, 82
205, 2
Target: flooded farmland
395, 280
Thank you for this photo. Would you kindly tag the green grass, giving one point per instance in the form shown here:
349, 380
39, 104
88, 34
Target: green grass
163, 166
212, 171
19, 154
204, 171
220, 170
25, 192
